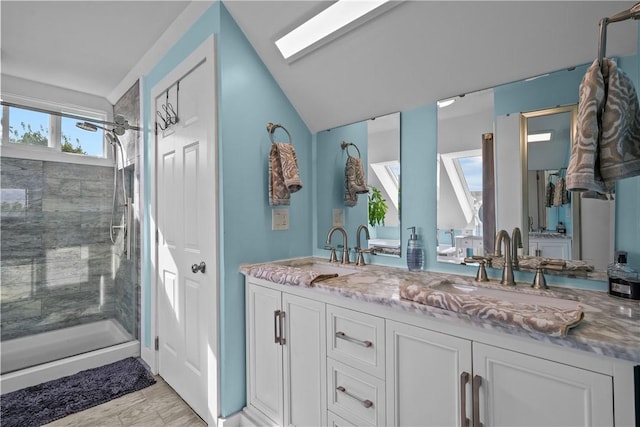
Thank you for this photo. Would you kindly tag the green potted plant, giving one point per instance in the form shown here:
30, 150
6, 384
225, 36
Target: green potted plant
377, 207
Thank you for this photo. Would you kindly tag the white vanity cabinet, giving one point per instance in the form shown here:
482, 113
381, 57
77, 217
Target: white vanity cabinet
286, 358
315, 359
557, 248
434, 379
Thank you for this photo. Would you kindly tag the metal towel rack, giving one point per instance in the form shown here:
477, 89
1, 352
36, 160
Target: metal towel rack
271, 128
345, 146
632, 13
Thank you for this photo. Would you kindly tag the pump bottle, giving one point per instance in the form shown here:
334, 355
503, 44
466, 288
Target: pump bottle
415, 253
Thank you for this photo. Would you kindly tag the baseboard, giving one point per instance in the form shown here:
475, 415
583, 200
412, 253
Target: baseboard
248, 417
234, 420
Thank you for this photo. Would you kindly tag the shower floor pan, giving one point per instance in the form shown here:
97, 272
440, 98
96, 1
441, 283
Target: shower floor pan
37, 349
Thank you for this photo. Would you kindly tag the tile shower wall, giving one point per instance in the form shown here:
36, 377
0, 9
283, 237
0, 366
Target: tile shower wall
56, 264
127, 283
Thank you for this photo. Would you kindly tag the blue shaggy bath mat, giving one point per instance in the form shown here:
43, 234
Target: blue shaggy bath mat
43, 403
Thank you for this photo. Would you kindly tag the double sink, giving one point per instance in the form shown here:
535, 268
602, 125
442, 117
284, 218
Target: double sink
462, 288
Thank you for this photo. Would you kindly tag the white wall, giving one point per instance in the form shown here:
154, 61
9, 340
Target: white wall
11, 85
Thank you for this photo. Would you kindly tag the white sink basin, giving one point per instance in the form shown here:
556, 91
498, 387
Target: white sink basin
514, 296
326, 268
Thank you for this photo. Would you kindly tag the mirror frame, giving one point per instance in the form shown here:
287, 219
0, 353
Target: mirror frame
524, 156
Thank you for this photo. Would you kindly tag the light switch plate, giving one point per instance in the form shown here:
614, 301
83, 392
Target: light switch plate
338, 217
280, 219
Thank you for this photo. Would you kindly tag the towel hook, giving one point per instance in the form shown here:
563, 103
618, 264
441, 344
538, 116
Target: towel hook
271, 128
345, 146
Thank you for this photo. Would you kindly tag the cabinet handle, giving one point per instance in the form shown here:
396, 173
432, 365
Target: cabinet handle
464, 379
276, 316
283, 341
476, 383
366, 403
345, 337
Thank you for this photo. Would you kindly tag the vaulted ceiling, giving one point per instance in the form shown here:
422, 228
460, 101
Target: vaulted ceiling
413, 55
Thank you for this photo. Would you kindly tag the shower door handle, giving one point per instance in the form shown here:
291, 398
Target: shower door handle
198, 267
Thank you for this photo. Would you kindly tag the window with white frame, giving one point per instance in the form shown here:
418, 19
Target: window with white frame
464, 169
23, 127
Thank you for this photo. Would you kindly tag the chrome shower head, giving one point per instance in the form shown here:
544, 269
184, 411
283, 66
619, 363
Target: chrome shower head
87, 126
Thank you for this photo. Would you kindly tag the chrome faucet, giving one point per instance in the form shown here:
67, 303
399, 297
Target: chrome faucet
516, 241
345, 246
358, 246
507, 272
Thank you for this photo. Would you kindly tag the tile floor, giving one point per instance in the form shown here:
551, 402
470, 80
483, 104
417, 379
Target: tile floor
157, 405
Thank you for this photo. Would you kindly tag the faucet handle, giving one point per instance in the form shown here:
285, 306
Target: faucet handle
539, 282
481, 275
333, 257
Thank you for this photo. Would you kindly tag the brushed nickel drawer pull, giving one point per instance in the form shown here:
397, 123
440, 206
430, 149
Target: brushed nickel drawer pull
366, 403
283, 340
345, 337
464, 379
476, 383
276, 316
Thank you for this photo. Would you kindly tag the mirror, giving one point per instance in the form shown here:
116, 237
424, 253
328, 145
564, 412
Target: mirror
463, 125
555, 218
490, 129
377, 143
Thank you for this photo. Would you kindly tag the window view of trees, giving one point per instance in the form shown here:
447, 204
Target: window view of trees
27, 135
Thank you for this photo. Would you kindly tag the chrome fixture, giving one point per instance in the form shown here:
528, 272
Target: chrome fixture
516, 241
345, 246
120, 124
112, 137
358, 245
507, 272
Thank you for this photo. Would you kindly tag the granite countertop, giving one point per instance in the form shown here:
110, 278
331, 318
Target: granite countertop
613, 331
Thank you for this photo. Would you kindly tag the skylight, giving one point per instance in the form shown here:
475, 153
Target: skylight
334, 21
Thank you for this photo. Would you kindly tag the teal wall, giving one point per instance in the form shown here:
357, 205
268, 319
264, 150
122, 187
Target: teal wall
248, 99
330, 163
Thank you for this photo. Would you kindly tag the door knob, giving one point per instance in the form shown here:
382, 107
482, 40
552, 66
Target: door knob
198, 267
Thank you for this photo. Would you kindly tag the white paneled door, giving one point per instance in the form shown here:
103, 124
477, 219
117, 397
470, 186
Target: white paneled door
186, 241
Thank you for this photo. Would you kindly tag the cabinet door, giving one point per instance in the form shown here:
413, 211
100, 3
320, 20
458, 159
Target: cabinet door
557, 250
424, 369
521, 390
264, 376
305, 365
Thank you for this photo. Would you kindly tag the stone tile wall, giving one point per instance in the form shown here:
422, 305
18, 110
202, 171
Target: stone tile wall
56, 255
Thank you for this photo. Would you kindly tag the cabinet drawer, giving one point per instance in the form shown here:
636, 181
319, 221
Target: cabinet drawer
337, 421
357, 397
356, 339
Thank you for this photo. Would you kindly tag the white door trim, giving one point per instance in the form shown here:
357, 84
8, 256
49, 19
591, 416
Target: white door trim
205, 52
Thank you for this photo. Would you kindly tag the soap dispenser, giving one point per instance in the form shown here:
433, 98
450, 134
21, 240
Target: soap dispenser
415, 253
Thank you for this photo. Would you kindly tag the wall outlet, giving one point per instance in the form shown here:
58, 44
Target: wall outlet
338, 217
280, 219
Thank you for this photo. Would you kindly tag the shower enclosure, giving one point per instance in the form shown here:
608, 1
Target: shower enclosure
69, 258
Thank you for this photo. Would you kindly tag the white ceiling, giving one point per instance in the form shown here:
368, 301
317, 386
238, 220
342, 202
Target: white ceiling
413, 55
88, 46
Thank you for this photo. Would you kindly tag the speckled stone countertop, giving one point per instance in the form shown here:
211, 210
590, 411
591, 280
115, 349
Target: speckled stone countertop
612, 331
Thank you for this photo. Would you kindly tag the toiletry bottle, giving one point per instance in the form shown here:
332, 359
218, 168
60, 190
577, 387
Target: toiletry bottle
624, 281
415, 254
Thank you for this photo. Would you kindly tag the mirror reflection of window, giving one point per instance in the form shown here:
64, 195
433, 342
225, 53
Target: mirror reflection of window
383, 134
